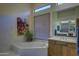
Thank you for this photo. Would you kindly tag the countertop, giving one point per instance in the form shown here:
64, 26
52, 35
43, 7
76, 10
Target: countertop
65, 39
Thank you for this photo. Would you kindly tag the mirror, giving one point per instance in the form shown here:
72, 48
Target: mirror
66, 28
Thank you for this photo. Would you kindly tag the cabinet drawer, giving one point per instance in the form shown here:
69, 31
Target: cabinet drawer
51, 42
61, 43
71, 45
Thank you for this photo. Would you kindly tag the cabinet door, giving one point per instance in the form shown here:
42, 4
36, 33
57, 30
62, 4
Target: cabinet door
57, 50
51, 48
72, 49
69, 50
65, 50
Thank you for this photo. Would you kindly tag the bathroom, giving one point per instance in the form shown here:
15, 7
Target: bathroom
41, 20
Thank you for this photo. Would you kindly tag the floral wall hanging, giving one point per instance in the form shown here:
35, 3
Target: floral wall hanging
20, 26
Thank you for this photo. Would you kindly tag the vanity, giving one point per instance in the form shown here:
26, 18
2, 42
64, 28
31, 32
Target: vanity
62, 46
64, 39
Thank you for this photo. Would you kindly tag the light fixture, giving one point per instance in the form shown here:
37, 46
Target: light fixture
60, 3
42, 8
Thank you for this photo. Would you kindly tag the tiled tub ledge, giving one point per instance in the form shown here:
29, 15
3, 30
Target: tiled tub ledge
35, 48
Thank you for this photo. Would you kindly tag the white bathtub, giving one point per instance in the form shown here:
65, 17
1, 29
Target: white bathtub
35, 48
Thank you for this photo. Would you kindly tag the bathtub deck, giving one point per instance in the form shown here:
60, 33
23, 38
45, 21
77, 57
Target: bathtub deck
27, 52
35, 48
8, 53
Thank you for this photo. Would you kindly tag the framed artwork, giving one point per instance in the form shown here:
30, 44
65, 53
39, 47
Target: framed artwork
20, 26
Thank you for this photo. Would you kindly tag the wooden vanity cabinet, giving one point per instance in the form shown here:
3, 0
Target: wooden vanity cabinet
54, 49
60, 48
72, 51
69, 49
50, 48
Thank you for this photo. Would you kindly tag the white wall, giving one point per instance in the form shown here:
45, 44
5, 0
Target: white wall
69, 14
66, 6
8, 23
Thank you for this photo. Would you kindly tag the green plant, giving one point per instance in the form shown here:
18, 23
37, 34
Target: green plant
29, 36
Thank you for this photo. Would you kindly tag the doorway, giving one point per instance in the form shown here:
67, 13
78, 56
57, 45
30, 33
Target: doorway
77, 31
42, 26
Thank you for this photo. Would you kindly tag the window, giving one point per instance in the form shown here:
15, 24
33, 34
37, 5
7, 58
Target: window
42, 8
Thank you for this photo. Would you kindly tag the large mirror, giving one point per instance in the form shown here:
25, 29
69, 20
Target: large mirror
66, 28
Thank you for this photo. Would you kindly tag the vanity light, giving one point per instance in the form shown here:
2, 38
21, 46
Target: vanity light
60, 3
64, 21
73, 21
